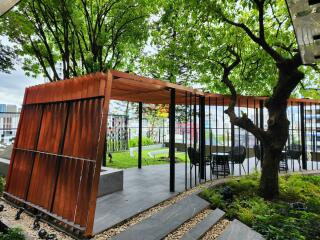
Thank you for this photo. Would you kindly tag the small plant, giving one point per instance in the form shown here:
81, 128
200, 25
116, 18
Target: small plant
13, 234
1, 185
294, 215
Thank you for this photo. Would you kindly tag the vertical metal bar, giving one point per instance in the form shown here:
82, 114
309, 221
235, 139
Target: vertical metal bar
210, 136
239, 132
202, 138
303, 139
195, 133
247, 140
186, 140
140, 137
261, 115
256, 121
172, 119
217, 132
190, 128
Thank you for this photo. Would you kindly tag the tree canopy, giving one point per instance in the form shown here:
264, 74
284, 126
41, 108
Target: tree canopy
83, 36
192, 37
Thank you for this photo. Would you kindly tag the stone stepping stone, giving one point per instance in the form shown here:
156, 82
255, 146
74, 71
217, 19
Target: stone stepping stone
237, 230
202, 227
166, 221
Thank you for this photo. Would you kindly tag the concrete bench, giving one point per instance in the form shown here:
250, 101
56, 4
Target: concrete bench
150, 147
161, 151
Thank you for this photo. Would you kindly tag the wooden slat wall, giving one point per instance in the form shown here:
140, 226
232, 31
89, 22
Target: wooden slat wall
56, 157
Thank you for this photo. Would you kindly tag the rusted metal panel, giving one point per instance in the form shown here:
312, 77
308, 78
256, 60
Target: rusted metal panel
56, 156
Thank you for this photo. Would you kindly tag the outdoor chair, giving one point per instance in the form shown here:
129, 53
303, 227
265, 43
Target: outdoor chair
294, 152
257, 153
283, 164
194, 157
237, 155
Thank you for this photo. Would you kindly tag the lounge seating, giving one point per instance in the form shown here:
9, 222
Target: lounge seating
294, 152
194, 157
257, 153
237, 155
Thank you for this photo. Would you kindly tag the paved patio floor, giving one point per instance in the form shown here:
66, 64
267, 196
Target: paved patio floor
149, 186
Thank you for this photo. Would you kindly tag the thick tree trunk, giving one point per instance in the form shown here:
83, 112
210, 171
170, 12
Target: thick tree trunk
269, 184
278, 130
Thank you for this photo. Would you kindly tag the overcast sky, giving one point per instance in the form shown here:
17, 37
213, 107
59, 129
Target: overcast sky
12, 85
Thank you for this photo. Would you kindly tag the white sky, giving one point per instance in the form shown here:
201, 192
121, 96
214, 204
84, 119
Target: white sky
12, 85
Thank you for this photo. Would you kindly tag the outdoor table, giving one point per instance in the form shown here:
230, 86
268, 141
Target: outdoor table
221, 159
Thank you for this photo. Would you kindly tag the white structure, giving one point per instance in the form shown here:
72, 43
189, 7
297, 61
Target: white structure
305, 16
6, 5
9, 118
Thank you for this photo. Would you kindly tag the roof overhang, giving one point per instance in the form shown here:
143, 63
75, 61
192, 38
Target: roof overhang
305, 15
6, 5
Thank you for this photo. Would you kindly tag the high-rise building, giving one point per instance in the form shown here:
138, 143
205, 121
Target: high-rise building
9, 118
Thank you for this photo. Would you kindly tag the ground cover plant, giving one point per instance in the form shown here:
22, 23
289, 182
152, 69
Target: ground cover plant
295, 214
1, 185
123, 160
13, 234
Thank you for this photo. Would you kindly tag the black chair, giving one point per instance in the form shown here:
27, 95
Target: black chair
294, 152
237, 155
257, 153
194, 157
283, 164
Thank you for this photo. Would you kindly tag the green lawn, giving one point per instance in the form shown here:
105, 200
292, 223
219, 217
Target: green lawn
124, 160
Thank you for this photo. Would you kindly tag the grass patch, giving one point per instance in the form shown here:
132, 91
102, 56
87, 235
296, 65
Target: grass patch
123, 160
277, 219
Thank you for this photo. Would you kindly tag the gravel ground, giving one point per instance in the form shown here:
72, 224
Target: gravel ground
116, 230
184, 228
217, 229
26, 222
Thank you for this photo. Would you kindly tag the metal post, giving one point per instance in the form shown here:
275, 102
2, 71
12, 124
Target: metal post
202, 139
303, 137
172, 121
140, 137
261, 126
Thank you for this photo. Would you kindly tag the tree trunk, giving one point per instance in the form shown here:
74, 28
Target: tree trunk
278, 131
269, 184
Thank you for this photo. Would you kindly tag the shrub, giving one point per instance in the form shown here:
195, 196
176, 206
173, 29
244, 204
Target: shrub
145, 142
274, 219
13, 234
1, 185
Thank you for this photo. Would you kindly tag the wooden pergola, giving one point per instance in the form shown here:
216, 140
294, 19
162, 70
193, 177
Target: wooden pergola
59, 147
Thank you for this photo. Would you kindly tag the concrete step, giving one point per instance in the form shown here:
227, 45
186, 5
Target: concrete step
202, 227
237, 230
166, 221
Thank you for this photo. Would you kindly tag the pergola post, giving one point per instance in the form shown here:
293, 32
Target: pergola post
303, 137
172, 123
140, 137
261, 122
202, 140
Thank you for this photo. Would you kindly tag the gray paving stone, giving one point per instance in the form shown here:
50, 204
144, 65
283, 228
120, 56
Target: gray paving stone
164, 222
202, 227
236, 230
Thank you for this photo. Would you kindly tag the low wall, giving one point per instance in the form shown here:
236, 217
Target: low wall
181, 148
111, 180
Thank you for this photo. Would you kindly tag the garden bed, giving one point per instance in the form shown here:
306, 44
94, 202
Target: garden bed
295, 214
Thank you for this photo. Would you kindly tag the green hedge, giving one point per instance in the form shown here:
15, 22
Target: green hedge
275, 219
145, 142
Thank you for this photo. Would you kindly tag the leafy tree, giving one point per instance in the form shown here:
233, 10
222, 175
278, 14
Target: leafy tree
7, 55
83, 36
249, 48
